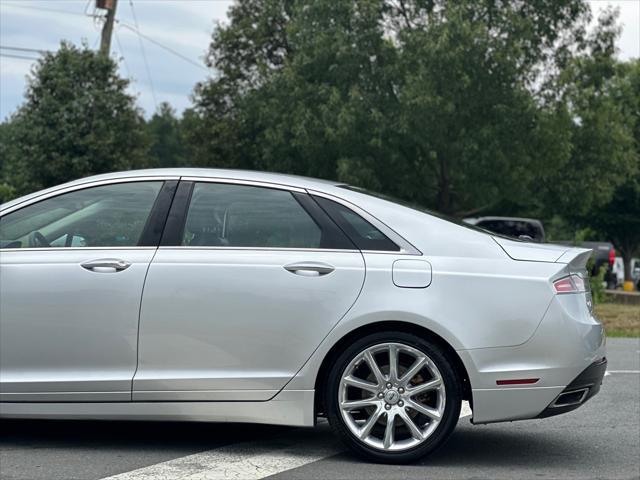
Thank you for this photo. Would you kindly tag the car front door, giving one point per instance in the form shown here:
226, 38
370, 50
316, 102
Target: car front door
72, 268
248, 281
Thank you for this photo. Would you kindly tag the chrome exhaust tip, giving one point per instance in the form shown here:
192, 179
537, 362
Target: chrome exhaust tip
574, 397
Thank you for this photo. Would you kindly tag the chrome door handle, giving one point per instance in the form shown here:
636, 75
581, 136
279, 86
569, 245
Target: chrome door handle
309, 269
106, 265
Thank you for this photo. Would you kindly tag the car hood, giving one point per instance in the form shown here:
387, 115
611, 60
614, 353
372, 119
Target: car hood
544, 252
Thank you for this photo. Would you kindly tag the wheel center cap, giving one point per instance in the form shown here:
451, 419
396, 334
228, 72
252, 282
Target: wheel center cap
391, 397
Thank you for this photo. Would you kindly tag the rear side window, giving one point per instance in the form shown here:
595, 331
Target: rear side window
359, 230
229, 215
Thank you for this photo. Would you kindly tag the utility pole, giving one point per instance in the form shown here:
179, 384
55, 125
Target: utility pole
107, 29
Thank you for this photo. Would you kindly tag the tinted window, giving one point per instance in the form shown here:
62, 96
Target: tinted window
106, 216
361, 232
230, 215
513, 228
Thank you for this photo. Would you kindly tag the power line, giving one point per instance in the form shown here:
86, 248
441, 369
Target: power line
123, 24
41, 9
164, 47
86, 9
23, 49
21, 57
144, 55
121, 50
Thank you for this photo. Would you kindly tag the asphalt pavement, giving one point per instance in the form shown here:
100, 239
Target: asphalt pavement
601, 440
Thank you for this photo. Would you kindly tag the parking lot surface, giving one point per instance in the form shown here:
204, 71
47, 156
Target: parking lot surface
600, 440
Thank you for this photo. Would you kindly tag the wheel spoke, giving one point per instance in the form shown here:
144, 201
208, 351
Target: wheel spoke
389, 430
400, 382
371, 421
375, 369
428, 411
393, 363
424, 387
361, 384
349, 405
413, 428
415, 368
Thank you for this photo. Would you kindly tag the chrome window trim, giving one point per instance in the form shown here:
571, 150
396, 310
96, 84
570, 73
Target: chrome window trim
389, 252
260, 249
406, 248
82, 186
250, 183
70, 249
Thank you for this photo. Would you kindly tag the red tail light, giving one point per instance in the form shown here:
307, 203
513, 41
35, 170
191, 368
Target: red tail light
612, 256
571, 284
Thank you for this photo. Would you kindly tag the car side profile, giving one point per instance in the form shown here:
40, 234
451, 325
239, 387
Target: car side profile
235, 296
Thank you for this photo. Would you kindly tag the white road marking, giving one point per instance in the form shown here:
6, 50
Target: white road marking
250, 460
609, 372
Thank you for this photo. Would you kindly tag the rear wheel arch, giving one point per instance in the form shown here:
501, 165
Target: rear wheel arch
386, 326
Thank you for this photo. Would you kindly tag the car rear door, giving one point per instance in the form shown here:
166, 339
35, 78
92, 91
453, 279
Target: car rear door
248, 281
72, 268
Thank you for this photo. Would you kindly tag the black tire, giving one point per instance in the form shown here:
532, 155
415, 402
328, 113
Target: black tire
453, 391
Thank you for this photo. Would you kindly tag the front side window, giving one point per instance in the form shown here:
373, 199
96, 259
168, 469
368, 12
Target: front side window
106, 216
229, 215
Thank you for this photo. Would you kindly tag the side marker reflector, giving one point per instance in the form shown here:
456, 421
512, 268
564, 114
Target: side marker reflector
518, 381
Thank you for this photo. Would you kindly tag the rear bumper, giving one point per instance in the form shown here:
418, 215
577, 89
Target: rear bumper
581, 389
565, 354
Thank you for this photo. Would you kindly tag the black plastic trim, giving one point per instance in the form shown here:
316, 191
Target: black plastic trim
174, 227
154, 227
591, 378
332, 208
333, 237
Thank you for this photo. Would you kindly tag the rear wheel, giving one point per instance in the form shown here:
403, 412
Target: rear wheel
393, 397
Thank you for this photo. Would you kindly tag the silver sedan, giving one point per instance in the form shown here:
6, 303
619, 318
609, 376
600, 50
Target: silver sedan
219, 295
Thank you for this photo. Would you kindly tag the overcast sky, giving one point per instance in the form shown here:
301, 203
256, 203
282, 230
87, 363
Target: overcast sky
185, 26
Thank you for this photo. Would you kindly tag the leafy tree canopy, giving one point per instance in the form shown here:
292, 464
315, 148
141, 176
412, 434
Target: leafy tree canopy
164, 130
77, 120
619, 218
456, 105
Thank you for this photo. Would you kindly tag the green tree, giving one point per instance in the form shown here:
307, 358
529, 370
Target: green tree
618, 220
461, 106
595, 115
7, 176
77, 120
244, 54
166, 140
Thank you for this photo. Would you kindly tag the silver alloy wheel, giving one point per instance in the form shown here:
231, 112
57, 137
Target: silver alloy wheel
392, 396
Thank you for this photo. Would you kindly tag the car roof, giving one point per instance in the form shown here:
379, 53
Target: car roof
231, 174
227, 174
